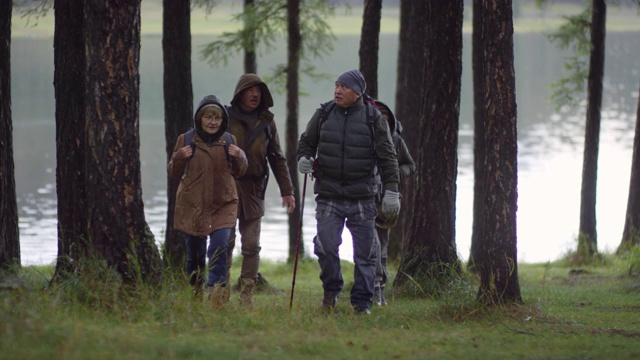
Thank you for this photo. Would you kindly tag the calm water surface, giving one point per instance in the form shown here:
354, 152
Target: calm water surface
550, 143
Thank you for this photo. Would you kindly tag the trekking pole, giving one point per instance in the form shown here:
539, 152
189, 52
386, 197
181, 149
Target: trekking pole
295, 266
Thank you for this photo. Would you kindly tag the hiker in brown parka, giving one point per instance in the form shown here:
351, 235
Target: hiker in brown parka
255, 129
207, 199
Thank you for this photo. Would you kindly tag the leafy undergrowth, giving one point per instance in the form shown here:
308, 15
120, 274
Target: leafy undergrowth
568, 312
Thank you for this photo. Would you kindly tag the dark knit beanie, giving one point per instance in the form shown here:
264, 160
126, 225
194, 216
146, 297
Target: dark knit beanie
354, 80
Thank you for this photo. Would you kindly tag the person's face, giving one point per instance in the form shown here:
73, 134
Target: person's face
344, 96
250, 98
211, 123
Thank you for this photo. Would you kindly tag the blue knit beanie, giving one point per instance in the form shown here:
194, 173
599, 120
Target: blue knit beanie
354, 80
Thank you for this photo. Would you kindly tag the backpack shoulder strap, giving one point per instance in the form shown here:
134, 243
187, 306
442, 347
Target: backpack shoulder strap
228, 140
325, 110
188, 138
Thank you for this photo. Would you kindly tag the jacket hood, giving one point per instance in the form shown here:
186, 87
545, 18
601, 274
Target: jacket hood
394, 125
211, 100
249, 80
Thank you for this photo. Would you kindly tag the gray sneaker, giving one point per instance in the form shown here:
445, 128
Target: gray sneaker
383, 301
377, 295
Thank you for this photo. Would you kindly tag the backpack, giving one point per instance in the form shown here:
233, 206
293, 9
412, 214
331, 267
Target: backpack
188, 140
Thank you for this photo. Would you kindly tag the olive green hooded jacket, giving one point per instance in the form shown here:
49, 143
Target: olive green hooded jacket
257, 135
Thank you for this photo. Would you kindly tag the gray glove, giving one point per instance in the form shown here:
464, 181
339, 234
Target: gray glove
305, 165
391, 203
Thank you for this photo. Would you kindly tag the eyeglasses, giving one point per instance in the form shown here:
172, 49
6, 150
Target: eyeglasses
211, 118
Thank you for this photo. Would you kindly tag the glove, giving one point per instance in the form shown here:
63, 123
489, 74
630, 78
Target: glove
305, 165
391, 203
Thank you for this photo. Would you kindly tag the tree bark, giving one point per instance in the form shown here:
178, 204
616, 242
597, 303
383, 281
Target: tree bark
178, 107
430, 251
499, 264
294, 45
479, 146
98, 177
9, 231
409, 91
588, 236
631, 233
369, 44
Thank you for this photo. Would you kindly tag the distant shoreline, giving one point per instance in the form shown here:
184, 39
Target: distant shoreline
345, 22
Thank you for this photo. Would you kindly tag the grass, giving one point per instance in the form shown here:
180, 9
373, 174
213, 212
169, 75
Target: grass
568, 312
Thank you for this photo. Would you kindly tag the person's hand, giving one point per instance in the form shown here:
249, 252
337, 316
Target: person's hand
185, 152
305, 165
391, 203
289, 200
234, 150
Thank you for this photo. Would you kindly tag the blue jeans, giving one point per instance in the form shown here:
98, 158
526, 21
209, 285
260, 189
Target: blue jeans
359, 217
217, 254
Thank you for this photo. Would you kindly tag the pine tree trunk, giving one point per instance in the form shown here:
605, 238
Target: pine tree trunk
178, 107
631, 233
9, 231
409, 92
369, 44
98, 174
499, 264
588, 235
250, 61
430, 250
291, 132
478, 138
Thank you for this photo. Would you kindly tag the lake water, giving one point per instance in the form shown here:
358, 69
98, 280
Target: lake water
550, 142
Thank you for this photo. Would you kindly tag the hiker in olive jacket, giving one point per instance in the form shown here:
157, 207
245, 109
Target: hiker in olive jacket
206, 199
384, 224
253, 125
349, 144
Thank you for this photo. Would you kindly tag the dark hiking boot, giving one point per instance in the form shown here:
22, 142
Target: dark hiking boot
358, 310
329, 301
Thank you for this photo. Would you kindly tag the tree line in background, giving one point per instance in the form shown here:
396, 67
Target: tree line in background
100, 212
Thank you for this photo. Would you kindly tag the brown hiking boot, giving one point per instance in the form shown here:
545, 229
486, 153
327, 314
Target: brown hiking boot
246, 292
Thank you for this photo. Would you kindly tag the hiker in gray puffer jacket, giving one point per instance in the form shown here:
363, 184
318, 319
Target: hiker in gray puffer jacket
351, 141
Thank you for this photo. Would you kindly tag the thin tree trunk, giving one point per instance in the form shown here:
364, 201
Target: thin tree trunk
294, 45
588, 236
9, 231
631, 233
430, 251
250, 62
478, 138
178, 107
499, 266
369, 44
106, 110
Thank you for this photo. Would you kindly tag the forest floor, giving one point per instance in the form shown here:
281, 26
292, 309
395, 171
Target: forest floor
568, 312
